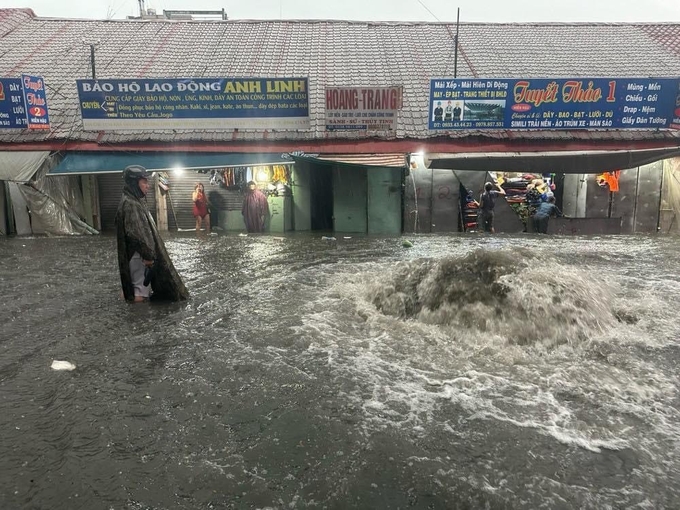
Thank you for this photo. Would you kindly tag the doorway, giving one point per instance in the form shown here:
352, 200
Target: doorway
321, 197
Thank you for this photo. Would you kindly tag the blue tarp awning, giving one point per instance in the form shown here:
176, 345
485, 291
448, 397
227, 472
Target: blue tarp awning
84, 163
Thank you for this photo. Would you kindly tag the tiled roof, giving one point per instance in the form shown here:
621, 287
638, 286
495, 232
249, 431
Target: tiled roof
330, 53
667, 35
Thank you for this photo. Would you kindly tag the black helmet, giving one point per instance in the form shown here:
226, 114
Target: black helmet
133, 173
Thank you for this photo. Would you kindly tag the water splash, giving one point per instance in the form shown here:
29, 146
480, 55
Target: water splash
527, 299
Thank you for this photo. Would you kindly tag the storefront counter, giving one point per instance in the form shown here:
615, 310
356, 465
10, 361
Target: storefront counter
582, 226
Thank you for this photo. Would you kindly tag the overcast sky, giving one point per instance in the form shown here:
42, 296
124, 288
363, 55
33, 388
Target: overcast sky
388, 10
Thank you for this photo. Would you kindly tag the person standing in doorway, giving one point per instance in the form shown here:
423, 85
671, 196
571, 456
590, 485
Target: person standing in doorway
487, 203
541, 217
255, 208
201, 212
146, 270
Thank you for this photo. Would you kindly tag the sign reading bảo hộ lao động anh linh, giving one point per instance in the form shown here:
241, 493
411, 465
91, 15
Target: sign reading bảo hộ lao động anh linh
195, 103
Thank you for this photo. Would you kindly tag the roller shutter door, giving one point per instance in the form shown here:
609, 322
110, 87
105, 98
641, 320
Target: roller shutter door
110, 190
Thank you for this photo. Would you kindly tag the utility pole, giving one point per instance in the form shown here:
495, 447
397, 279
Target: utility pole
94, 74
93, 48
142, 8
455, 42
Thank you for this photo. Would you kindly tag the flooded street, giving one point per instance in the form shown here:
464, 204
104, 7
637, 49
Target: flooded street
504, 372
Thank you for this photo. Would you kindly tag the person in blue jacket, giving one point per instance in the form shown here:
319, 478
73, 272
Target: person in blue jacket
542, 215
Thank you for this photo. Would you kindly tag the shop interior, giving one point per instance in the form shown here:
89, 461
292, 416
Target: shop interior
524, 192
225, 188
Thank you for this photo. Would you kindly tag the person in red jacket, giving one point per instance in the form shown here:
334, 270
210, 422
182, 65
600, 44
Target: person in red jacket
201, 207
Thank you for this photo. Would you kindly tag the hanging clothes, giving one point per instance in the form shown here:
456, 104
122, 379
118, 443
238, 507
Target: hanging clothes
280, 174
612, 179
239, 176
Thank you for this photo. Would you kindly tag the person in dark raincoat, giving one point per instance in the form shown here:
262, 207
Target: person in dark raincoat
142, 257
255, 208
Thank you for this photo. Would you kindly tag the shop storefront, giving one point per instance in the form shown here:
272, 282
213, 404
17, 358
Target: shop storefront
223, 130
350, 193
616, 190
440, 191
224, 177
342, 193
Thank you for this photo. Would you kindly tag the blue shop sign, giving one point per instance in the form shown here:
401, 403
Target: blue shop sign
195, 103
12, 106
565, 104
35, 100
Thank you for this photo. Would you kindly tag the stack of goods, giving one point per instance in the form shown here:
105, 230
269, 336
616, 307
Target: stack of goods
515, 187
470, 209
525, 192
280, 177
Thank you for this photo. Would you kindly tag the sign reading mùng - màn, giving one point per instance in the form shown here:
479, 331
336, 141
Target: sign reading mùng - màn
195, 103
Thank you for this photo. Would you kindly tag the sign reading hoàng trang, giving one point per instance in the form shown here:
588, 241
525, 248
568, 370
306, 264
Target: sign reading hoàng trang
574, 103
363, 108
195, 103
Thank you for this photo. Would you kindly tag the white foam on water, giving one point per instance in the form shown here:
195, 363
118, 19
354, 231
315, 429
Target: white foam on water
555, 349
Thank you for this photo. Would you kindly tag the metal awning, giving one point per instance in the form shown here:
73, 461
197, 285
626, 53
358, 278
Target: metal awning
20, 166
568, 162
389, 160
395, 160
87, 163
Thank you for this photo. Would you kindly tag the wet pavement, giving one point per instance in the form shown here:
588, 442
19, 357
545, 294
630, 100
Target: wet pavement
466, 372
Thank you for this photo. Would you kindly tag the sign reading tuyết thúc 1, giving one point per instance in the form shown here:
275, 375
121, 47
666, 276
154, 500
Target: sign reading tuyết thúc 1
566, 104
23, 103
363, 108
194, 103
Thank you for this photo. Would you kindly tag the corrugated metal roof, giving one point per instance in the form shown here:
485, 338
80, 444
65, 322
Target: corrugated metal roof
568, 162
383, 160
330, 53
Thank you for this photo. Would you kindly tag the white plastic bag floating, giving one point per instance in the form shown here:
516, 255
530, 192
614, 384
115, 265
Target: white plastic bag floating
62, 365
